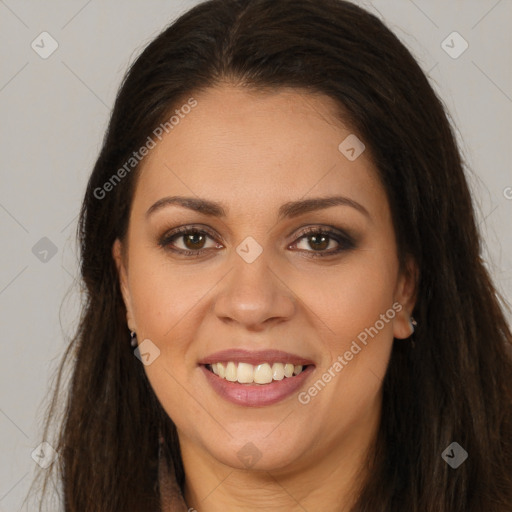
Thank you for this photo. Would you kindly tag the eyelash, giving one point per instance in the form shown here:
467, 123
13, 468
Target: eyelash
345, 241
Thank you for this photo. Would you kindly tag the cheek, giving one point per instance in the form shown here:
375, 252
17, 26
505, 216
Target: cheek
358, 341
353, 313
350, 297
166, 302
162, 295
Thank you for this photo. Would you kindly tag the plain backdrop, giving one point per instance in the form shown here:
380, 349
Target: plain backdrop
54, 112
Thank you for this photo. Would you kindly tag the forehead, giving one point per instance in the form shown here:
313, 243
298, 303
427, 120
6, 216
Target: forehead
247, 147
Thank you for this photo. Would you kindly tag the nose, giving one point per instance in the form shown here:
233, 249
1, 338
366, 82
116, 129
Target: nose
254, 295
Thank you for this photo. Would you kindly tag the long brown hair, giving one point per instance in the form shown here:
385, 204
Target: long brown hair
454, 386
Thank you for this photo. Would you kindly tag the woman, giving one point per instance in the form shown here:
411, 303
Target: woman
286, 306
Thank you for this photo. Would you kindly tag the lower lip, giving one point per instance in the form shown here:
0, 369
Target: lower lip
257, 395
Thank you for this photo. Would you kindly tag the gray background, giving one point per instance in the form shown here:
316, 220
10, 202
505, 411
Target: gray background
54, 113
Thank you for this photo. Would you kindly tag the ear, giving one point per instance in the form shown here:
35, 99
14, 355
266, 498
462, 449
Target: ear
120, 261
405, 295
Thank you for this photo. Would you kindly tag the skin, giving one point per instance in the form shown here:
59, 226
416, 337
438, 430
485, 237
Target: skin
252, 152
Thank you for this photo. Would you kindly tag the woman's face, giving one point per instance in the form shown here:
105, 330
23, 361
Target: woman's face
255, 280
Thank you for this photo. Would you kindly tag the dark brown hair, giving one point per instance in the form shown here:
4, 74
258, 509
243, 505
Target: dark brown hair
455, 385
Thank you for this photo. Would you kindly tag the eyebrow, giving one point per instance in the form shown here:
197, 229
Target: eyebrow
290, 209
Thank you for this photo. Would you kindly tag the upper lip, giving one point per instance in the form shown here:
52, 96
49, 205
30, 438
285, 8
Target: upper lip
255, 357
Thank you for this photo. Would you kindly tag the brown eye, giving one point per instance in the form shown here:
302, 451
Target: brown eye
323, 242
194, 241
188, 241
318, 242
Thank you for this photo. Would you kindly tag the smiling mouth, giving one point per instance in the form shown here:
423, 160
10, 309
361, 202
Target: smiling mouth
264, 373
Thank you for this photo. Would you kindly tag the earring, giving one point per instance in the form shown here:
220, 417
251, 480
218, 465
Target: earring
133, 337
413, 324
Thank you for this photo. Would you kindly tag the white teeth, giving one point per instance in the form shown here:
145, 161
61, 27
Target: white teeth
231, 372
277, 371
263, 374
288, 370
246, 373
